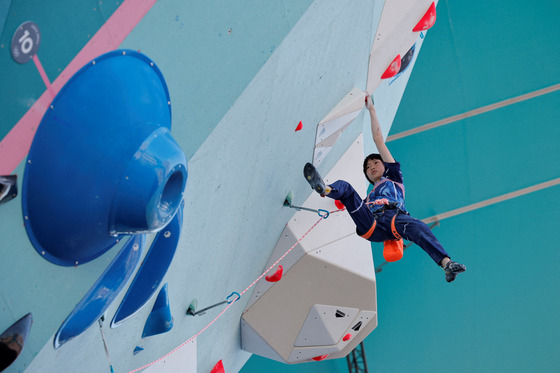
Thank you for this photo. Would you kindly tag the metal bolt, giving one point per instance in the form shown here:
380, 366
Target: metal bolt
167, 234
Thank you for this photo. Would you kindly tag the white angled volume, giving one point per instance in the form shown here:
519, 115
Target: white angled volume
324, 325
336, 121
325, 303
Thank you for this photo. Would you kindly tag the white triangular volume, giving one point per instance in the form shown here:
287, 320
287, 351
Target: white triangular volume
353, 101
361, 321
337, 120
252, 341
319, 154
325, 325
329, 132
394, 36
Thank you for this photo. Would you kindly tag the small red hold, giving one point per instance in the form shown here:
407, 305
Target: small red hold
277, 276
427, 20
393, 68
347, 337
218, 368
338, 204
299, 126
319, 358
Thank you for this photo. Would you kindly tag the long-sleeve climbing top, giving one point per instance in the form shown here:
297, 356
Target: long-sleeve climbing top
388, 191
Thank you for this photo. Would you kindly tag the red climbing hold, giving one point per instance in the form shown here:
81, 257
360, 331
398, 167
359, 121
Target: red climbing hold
299, 126
428, 20
277, 276
218, 368
347, 337
319, 358
393, 68
339, 204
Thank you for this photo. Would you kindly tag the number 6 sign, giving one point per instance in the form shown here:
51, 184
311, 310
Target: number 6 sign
25, 42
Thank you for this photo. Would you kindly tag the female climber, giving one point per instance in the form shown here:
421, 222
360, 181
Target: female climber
382, 216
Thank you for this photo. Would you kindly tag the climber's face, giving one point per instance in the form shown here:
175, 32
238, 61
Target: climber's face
375, 169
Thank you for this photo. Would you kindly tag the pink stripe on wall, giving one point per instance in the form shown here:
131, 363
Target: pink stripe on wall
15, 146
44, 76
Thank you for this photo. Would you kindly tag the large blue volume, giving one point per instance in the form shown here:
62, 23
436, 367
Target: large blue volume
103, 162
100, 296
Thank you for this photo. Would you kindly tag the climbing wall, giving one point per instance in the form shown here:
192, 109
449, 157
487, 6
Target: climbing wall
399, 27
324, 305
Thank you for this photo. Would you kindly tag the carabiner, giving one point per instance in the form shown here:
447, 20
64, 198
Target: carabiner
231, 295
323, 213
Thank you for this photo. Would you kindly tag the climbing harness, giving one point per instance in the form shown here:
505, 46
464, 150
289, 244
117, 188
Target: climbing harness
386, 206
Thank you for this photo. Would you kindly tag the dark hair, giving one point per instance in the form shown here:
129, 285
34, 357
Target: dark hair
372, 156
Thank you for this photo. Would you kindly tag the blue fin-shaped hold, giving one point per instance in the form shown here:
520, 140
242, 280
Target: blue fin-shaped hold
152, 270
98, 298
13, 339
160, 319
405, 62
137, 350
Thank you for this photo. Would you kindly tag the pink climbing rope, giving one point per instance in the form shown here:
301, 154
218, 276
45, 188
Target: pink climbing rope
231, 304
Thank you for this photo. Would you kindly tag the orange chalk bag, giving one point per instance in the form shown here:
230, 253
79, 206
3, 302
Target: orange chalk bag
393, 250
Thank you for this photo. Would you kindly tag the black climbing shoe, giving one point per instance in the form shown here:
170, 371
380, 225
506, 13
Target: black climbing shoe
314, 179
452, 269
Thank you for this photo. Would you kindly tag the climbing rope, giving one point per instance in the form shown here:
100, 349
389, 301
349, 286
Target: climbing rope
230, 300
239, 295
